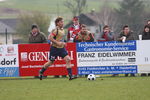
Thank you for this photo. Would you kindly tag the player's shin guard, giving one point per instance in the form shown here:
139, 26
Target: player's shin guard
69, 72
42, 70
41, 73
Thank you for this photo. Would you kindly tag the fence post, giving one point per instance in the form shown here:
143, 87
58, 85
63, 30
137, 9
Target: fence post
6, 34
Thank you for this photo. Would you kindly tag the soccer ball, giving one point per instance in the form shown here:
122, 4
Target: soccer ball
91, 77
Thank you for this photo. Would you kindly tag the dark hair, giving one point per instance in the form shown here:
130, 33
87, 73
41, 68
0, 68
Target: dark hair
58, 19
106, 26
83, 26
75, 18
34, 26
146, 26
126, 26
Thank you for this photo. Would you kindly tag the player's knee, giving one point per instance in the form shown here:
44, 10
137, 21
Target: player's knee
49, 63
68, 60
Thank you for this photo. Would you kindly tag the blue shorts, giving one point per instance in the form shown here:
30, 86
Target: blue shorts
55, 52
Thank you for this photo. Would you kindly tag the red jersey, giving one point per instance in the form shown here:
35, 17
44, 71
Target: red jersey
72, 31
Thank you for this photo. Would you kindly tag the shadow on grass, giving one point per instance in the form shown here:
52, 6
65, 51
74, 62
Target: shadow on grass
26, 78
51, 77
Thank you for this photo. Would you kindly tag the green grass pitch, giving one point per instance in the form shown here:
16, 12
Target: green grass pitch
117, 88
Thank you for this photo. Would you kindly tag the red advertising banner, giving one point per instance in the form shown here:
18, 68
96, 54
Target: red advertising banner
33, 56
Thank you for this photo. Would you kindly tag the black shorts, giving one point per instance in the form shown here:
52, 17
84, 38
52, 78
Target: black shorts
55, 52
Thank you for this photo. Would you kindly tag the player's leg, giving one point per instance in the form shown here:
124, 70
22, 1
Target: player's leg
52, 57
46, 65
68, 66
66, 57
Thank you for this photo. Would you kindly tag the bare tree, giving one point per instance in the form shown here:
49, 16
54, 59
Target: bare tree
27, 19
107, 16
76, 6
131, 13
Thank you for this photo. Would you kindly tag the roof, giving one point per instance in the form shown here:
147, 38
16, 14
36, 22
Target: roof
3, 28
10, 22
94, 16
89, 19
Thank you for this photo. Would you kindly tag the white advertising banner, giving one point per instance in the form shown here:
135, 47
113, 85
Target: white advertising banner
107, 58
143, 56
9, 61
